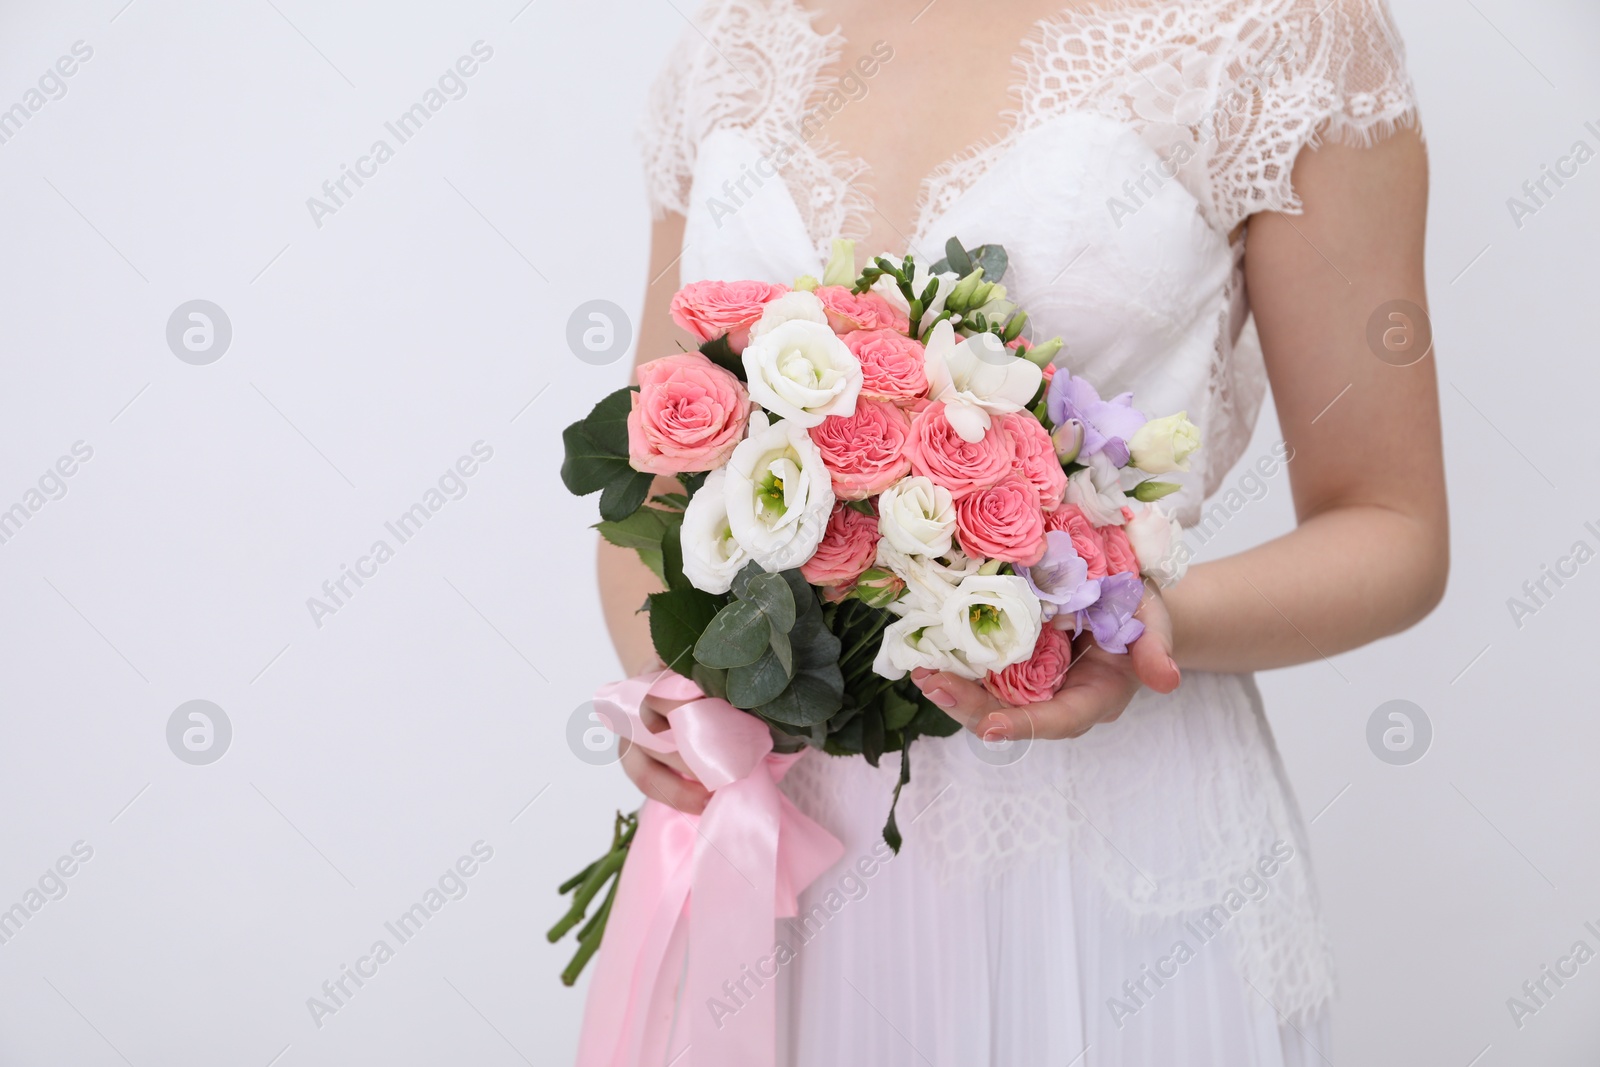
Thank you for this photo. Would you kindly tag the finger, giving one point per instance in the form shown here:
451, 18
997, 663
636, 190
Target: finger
671, 759
1094, 692
963, 700
659, 782
1151, 655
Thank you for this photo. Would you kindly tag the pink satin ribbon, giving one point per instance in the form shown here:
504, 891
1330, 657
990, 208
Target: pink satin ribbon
686, 971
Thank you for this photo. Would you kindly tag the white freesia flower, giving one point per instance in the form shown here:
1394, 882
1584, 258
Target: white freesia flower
917, 517
1164, 445
929, 579
916, 640
802, 372
976, 378
1097, 490
778, 494
711, 556
991, 622
795, 306
1157, 541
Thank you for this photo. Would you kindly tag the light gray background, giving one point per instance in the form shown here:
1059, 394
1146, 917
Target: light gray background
430, 313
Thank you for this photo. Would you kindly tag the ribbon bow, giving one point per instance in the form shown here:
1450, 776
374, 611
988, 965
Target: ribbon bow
707, 889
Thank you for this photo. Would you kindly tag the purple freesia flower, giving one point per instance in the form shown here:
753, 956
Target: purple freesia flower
1111, 617
1108, 425
1061, 579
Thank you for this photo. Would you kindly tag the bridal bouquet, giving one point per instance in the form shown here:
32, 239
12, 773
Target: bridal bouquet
878, 472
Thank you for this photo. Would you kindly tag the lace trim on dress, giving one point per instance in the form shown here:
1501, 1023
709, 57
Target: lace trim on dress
1228, 91
758, 66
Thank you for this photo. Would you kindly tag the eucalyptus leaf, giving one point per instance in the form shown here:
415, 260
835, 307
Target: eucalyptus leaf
771, 593
738, 636
807, 700
778, 641
956, 258
754, 684
993, 260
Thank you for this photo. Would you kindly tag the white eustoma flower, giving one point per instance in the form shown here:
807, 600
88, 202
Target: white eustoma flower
916, 640
917, 517
991, 621
799, 370
976, 378
1097, 490
778, 494
795, 306
711, 556
1157, 541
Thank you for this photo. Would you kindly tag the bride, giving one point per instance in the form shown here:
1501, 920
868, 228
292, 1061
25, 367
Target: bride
1200, 197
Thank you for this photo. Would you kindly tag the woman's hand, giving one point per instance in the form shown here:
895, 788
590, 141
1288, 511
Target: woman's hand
662, 775
1099, 685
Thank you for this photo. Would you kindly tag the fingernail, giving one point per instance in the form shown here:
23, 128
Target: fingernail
942, 697
997, 732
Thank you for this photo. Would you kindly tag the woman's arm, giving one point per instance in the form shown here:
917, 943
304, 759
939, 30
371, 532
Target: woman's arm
624, 580
1370, 553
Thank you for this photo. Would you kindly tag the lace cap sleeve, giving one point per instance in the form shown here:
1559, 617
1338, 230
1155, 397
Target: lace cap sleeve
1333, 70
665, 143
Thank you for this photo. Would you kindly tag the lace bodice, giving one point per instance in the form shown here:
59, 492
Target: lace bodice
1243, 84
1144, 134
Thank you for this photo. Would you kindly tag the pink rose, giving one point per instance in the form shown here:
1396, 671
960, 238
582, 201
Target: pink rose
865, 453
688, 415
1002, 522
847, 548
1038, 677
891, 364
848, 311
711, 309
963, 467
1035, 456
1085, 541
1120, 557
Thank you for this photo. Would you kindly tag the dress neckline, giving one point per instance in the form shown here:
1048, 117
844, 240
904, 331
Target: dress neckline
951, 177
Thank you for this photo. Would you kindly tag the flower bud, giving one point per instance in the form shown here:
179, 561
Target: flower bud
878, 588
1042, 354
1163, 445
1068, 439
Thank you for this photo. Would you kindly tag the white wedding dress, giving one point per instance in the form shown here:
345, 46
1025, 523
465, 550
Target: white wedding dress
1141, 895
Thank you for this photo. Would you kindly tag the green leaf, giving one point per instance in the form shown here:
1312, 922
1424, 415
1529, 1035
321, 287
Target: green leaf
677, 619
956, 258
897, 710
771, 593
672, 558
872, 734
779, 643
596, 446
692, 482
736, 637
673, 501
993, 260
623, 496
713, 682
1151, 489
754, 684
642, 531
891, 828
863, 506
718, 351
808, 699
